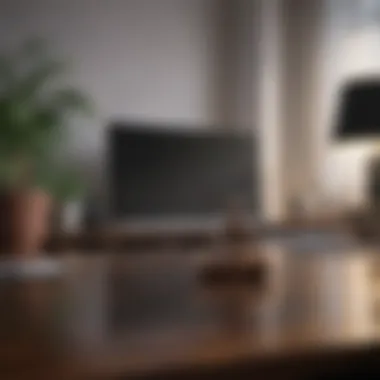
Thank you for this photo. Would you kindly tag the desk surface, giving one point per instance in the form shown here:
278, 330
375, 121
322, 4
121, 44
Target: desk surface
119, 237
132, 315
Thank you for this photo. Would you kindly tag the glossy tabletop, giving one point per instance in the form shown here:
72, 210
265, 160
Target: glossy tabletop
142, 314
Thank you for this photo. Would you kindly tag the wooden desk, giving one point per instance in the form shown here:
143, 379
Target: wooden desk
112, 316
119, 238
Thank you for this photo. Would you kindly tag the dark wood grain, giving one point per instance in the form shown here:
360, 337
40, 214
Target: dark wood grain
113, 316
119, 238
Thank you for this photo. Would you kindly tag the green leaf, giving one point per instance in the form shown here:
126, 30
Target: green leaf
70, 99
33, 116
36, 80
62, 182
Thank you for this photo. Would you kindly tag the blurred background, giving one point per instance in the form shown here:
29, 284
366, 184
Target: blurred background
272, 67
199, 109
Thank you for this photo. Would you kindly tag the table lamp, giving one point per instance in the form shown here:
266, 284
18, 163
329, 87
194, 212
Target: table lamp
359, 120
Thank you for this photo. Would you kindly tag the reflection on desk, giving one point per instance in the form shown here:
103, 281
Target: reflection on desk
150, 315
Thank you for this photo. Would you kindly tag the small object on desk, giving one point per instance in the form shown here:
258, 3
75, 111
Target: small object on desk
234, 268
234, 272
40, 267
236, 229
72, 215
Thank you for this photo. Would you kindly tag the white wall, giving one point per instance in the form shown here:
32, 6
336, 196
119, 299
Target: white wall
331, 41
351, 48
301, 35
139, 59
270, 93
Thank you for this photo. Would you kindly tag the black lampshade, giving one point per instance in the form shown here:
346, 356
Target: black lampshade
359, 110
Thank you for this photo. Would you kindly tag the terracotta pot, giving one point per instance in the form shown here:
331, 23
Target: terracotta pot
25, 216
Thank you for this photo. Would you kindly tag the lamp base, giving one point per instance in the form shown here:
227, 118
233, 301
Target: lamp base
374, 184
235, 273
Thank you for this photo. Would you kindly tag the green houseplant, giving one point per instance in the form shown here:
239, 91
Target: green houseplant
35, 109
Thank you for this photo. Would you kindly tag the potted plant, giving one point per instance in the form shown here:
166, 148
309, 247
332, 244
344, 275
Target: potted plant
34, 113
